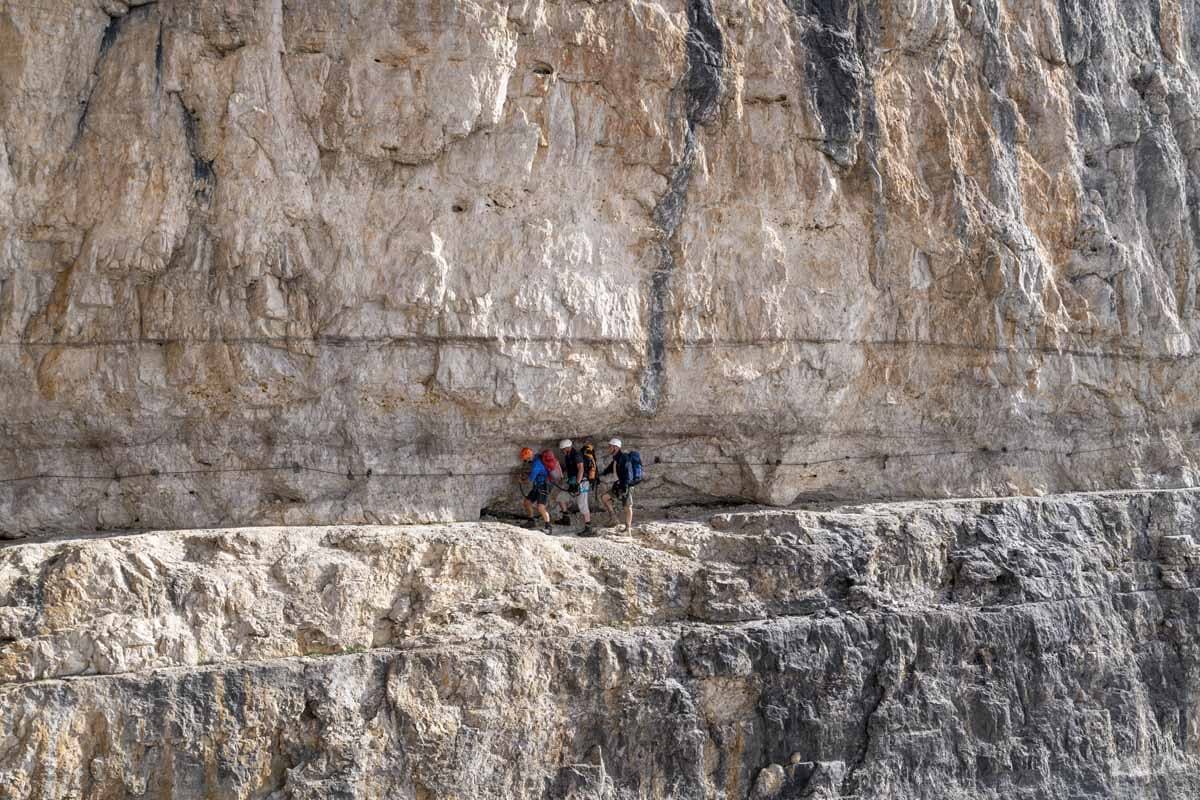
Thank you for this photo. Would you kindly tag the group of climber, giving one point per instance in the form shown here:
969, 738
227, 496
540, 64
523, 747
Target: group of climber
578, 475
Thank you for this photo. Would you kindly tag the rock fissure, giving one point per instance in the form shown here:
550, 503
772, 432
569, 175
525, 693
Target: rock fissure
203, 177
702, 88
877, 694
107, 39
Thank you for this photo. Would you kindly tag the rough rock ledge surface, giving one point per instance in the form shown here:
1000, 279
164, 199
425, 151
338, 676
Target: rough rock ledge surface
1021, 648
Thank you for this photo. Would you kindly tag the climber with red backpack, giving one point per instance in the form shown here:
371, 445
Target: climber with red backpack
539, 495
554, 474
627, 469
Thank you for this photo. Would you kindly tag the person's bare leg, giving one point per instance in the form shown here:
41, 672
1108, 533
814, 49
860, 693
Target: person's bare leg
629, 517
545, 513
528, 507
608, 501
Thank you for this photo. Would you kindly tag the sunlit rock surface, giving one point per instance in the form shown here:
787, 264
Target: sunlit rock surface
1029, 648
332, 262
251, 252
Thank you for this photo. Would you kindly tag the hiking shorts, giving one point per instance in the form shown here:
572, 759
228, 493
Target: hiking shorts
582, 499
622, 493
539, 495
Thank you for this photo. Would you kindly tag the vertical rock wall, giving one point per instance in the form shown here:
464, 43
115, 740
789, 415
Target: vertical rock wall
310, 261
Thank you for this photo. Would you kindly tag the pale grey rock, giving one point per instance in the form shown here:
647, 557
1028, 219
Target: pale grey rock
770, 781
480, 661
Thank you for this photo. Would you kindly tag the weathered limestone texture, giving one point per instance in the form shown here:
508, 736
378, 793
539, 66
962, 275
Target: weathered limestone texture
251, 250
1025, 648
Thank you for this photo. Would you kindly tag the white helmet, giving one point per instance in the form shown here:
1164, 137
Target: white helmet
564, 444
615, 442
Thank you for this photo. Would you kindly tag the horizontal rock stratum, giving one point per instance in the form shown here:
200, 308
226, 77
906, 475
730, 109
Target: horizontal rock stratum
319, 261
1023, 648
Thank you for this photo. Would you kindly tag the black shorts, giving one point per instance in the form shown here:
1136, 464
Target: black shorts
539, 494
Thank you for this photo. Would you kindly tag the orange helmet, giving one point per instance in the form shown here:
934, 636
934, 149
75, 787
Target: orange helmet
526, 453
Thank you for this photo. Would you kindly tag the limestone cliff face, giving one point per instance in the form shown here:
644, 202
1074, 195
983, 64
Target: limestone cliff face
989, 649
252, 251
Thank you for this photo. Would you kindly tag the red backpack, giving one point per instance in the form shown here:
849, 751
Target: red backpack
550, 462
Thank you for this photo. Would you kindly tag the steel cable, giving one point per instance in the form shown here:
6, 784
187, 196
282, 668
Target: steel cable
372, 474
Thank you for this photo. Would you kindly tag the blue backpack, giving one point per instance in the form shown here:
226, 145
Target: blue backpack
634, 474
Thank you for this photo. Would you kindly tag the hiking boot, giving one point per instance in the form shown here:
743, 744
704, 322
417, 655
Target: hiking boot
565, 519
529, 524
588, 530
549, 529
623, 527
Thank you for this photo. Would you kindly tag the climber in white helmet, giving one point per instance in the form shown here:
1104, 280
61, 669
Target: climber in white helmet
627, 469
577, 487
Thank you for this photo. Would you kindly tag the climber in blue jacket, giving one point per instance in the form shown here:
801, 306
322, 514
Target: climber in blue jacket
539, 495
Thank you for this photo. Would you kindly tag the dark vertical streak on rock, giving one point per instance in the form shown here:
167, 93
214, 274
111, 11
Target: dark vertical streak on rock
703, 86
866, 37
1005, 169
158, 59
839, 39
202, 171
106, 42
833, 67
110, 33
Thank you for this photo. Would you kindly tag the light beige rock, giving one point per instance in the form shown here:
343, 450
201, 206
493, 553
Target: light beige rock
953, 258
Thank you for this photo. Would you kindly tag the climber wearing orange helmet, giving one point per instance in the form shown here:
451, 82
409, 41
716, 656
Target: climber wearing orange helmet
540, 493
